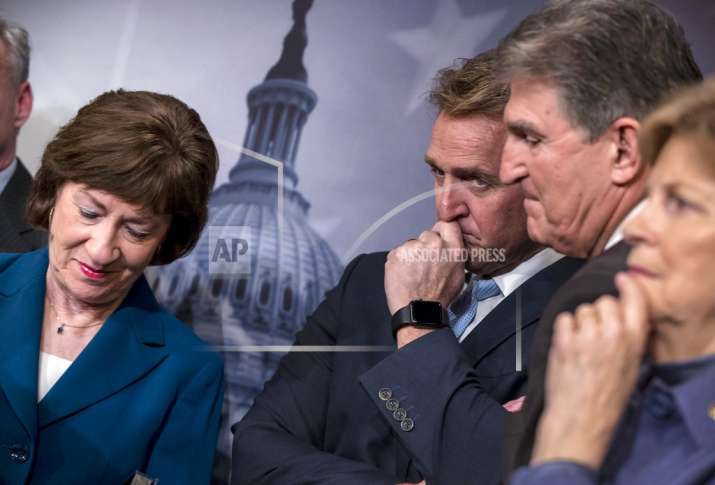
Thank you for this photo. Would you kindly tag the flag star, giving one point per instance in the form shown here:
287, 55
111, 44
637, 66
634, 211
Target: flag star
450, 35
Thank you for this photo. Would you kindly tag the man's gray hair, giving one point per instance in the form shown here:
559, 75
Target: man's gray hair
607, 58
17, 43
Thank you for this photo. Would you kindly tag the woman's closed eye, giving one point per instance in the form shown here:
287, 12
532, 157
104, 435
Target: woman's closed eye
137, 234
87, 213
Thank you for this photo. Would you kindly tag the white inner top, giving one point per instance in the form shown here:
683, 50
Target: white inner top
6, 175
51, 369
617, 235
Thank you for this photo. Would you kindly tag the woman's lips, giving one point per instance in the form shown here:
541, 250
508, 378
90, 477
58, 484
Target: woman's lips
92, 273
640, 271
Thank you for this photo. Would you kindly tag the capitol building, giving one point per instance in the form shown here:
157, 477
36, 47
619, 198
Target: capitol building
288, 266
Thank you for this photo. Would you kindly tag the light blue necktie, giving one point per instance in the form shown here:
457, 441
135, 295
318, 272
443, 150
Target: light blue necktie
464, 308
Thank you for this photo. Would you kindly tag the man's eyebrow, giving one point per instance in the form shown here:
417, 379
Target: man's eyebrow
466, 173
522, 127
432, 163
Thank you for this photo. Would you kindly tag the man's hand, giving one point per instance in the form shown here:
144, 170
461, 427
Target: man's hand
417, 270
593, 365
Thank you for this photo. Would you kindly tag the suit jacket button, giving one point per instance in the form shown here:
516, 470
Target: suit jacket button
392, 404
399, 414
407, 424
384, 394
18, 453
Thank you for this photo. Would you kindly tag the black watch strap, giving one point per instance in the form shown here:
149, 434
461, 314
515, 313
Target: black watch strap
420, 314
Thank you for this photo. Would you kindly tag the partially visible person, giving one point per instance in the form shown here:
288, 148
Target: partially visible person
630, 386
583, 75
97, 381
16, 234
400, 410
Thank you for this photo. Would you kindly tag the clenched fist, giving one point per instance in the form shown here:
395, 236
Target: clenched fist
428, 268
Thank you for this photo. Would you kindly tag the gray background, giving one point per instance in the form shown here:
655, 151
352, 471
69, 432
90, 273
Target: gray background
369, 61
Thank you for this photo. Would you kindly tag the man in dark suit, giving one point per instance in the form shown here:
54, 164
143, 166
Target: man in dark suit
376, 392
16, 235
573, 122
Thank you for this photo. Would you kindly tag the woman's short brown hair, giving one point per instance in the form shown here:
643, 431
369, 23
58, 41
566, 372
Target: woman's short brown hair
148, 149
689, 111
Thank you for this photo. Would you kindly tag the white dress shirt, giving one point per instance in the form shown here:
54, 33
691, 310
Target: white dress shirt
617, 235
508, 282
6, 175
50, 370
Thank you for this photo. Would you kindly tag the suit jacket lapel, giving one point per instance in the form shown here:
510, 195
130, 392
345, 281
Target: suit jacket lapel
497, 326
21, 304
500, 323
13, 225
129, 345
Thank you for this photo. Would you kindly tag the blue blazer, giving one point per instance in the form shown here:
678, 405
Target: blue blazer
145, 394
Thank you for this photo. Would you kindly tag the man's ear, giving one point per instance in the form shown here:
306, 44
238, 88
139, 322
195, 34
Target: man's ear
23, 104
628, 164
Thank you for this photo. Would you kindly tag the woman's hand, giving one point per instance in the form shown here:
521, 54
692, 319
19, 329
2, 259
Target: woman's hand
593, 365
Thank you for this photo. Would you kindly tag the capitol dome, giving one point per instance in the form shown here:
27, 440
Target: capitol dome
288, 266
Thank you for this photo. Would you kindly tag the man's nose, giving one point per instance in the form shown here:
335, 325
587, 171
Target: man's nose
450, 202
512, 168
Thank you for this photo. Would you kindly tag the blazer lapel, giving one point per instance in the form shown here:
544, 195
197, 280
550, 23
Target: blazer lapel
500, 323
21, 303
129, 345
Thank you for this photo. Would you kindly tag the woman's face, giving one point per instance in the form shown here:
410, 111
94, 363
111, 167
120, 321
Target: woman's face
674, 236
99, 245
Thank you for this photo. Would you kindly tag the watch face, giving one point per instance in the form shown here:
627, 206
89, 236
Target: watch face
426, 311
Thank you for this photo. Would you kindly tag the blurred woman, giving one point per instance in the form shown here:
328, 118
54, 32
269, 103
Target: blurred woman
631, 381
97, 381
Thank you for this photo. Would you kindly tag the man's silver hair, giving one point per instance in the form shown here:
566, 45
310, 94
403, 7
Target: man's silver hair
17, 43
606, 58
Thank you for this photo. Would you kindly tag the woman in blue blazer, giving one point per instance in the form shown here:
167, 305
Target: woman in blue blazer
97, 382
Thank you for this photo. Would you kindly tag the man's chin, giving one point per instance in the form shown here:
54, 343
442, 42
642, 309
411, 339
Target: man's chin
475, 267
481, 267
538, 232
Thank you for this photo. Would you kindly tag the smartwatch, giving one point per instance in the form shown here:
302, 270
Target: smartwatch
420, 314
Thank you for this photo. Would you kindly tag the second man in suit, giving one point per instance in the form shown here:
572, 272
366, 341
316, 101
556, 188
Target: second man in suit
399, 407
583, 75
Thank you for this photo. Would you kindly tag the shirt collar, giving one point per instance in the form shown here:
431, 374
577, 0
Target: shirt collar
6, 175
617, 235
696, 402
510, 281
692, 389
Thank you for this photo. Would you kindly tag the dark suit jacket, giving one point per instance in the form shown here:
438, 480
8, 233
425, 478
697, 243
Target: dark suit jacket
145, 394
320, 418
16, 235
595, 279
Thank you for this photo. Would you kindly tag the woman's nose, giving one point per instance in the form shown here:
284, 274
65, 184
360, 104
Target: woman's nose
101, 246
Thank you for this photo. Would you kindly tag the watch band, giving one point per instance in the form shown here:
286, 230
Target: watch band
420, 314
